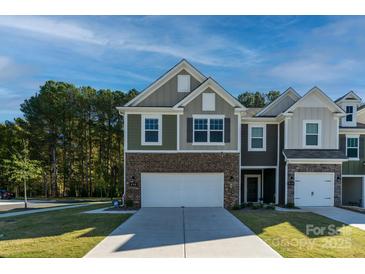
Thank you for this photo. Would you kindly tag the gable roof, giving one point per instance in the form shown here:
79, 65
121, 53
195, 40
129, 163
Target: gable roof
182, 65
289, 92
350, 95
322, 96
210, 82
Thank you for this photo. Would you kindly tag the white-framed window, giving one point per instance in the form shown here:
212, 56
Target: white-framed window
208, 130
256, 137
183, 83
151, 129
349, 113
208, 102
352, 147
312, 133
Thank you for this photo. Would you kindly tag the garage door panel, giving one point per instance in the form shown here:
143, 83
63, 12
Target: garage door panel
182, 189
314, 189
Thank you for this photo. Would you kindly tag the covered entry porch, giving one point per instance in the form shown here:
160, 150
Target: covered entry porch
353, 190
258, 184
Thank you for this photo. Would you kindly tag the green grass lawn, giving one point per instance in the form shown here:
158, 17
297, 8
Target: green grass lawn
286, 232
64, 233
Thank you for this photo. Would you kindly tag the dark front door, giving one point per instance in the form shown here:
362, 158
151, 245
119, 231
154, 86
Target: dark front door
252, 189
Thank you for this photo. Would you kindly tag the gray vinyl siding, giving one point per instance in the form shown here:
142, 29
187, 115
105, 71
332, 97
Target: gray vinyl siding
278, 108
221, 108
295, 127
260, 158
353, 167
169, 133
281, 165
167, 94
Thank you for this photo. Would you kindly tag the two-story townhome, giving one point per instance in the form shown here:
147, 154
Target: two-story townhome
188, 142
352, 143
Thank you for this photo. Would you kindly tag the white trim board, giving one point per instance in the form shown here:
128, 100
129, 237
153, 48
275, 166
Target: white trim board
349, 136
319, 134
322, 97
182, 151
258, 167
143, 129
258, 176
182, 65
219, 90
249, 136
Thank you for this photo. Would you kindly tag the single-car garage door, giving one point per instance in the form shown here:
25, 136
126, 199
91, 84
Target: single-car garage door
313, 189
182, 189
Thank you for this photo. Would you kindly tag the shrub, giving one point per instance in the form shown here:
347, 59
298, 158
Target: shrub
290, 205
129, 203
270, 206
256, 205
236, 207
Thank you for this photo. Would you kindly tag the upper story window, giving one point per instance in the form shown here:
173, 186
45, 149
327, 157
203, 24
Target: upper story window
352, 146
208, 102
349, 113
256, 137
312, 134
183, 83
151, 130
208, 130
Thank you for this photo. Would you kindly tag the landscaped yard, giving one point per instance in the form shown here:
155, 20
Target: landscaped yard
286, 233
64, 233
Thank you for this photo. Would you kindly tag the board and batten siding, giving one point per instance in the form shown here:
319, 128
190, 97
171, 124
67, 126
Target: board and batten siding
295, 127
167, 95
353, 167
221, 108
260, 158
169, 133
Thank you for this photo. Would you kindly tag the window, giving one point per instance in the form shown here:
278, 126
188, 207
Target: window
352, 147
208, 102
151, 130
349, 113
257, 138
312, 133
208, 130
183, 83
200, 130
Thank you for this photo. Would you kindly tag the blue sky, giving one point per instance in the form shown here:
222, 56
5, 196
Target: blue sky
243, 53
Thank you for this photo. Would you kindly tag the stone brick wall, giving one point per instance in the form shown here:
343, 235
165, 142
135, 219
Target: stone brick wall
228, 163
337, 169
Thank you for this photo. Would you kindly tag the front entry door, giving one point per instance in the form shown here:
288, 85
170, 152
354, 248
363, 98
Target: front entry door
252, 188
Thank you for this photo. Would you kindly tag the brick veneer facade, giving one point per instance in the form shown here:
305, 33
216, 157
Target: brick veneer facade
228, 163
335, 168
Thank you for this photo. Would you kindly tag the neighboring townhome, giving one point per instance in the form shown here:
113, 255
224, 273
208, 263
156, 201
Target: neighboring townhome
352, 139
188, 142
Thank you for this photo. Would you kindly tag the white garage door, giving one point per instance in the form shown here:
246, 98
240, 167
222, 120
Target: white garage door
182, 189
313, 189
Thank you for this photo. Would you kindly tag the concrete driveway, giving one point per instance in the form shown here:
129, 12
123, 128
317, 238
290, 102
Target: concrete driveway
182, 233
342, 215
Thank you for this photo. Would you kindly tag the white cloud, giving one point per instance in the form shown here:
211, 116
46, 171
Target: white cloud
54, 27
194, 43
313, 70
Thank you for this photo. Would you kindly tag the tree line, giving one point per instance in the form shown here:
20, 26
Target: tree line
74, 135
69, 142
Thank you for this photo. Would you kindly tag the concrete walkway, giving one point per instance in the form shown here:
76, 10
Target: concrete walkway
182, 233
341, 215
32, 211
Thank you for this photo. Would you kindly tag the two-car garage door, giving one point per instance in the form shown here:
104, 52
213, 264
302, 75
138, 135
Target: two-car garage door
182, 189
313, 189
